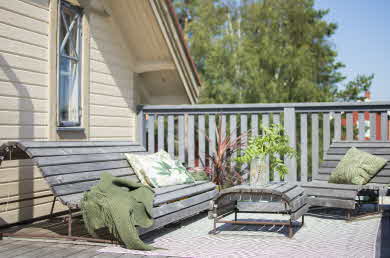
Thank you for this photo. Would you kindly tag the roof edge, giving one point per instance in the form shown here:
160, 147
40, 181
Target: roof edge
183, 42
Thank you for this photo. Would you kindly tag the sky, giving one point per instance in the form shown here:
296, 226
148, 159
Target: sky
362, 40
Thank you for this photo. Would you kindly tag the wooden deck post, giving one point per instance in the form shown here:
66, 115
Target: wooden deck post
289, 126
141, 127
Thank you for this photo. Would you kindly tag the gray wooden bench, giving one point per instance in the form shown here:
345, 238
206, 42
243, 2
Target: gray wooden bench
72, 168
322, 193
283, 198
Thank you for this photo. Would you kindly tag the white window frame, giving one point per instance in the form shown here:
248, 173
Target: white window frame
76, 23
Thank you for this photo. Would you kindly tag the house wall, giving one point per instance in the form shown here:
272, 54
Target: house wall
23, 105
25, 98
112, 104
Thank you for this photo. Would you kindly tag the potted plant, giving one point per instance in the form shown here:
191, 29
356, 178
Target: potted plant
272, 143
221, 169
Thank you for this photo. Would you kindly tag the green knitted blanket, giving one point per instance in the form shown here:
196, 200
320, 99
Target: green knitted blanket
120, 205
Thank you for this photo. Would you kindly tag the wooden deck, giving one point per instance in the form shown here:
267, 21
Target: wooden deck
316, 228
25, 248
50, 247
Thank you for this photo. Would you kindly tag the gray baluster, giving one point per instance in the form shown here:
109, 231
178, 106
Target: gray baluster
362, 126
212, 145
372, 126
315, 145
181, 143
233, 135
201, 140
289, 125
191, 141
255, 124
151, 134
349, 127
384, 126
326, 132
304, 156
171, 135
276, 120
265, 124
160, 133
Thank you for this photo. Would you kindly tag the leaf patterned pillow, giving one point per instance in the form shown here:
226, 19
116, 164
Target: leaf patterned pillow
159, 169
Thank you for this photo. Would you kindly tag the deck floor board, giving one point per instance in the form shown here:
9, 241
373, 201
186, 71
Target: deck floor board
22, 248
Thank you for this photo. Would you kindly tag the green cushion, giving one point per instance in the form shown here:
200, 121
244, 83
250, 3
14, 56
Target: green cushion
357, 167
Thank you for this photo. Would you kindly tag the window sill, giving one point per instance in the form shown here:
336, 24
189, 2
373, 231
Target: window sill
70, 129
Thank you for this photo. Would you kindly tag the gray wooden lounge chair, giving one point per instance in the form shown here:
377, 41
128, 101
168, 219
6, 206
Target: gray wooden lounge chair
322, 193
71, 168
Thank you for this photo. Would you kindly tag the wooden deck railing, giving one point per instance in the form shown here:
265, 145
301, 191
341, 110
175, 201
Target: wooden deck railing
181, 129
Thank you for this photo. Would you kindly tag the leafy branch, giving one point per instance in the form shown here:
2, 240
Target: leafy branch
273, 143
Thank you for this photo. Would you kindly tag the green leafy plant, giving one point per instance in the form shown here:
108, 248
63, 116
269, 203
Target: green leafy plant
274, 143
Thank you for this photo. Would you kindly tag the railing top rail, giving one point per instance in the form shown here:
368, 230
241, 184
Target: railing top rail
269, 107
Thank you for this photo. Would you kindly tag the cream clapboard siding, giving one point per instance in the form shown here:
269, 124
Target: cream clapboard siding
112, 112
23, 71
24, 94
23, 106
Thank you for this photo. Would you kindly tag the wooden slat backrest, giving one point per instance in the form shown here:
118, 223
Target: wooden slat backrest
338, 149
71, 168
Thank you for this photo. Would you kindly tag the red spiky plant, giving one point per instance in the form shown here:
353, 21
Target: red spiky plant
221, 168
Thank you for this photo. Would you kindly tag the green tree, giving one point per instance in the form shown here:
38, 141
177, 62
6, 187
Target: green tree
253, 51
355, 89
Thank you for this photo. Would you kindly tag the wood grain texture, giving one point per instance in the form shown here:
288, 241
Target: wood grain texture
176, 216
276, 121
191, 140
87, 176
337, 126
372, 126
290, 127
202, 140
315, 144
151, 144
304, 147
171, 135
223, 125
255, 124
326, 132
384, 126
361, 126
42, 152
233, 135
349, 121
181, 141
331, 202
179, 205
181, 193
265, 123
211, 135
160, 133
80, 187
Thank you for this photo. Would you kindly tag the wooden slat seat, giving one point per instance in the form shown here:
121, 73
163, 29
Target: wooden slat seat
322, 193
72, 168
